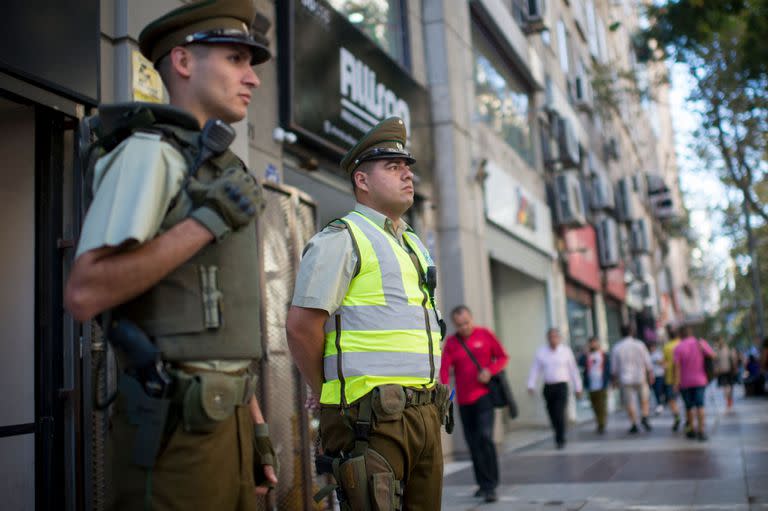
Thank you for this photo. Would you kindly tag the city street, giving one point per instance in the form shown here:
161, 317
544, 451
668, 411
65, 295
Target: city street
659, 470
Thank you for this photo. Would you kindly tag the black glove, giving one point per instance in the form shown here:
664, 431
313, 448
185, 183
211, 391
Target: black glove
263, 454
230, 202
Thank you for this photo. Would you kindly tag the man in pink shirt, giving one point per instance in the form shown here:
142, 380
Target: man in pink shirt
475, 405
689, 359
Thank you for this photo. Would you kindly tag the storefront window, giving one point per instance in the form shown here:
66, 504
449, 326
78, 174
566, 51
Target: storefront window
381, 20
501, 101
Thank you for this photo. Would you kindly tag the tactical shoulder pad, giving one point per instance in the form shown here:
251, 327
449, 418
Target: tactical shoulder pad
118, 121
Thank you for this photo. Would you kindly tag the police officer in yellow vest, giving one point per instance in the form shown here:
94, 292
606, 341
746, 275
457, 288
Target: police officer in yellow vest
167, 257
365, 333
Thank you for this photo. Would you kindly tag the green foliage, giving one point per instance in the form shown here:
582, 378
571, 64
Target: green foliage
687, 25
724, 44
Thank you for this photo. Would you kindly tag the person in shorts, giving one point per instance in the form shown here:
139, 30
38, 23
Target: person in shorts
632, 370
689, 359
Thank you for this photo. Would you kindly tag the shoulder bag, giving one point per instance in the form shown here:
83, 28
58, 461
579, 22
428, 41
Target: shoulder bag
498, 388
709, 363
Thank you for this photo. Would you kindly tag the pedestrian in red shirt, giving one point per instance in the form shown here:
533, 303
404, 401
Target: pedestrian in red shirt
475, 407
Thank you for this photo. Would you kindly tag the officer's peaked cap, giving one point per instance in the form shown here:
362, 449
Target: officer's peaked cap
386, 140
208, 21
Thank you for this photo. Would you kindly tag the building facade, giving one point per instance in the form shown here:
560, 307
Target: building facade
547, 190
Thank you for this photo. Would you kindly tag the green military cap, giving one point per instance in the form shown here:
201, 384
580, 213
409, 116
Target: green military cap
208, 21
384, 141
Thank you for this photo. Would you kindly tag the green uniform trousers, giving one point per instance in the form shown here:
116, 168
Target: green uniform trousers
599, 399
201, 471
411, 444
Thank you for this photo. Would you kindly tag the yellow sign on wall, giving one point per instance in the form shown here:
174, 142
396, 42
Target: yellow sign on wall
147, 85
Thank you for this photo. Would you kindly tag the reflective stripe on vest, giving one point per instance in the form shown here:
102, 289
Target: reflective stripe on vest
383, 321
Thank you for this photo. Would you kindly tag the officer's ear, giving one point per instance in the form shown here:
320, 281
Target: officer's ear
181, 60
360, 177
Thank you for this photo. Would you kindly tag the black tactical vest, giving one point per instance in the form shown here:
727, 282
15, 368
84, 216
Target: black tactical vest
208, 308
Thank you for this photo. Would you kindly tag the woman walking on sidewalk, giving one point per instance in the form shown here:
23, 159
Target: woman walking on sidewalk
597, 377
726, 366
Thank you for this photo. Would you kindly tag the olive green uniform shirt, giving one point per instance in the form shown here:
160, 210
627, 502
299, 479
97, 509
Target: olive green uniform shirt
132, 188
330, 262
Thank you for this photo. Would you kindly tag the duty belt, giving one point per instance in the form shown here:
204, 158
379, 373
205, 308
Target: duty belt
416, 397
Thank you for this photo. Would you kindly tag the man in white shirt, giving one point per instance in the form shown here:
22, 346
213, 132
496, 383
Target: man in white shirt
632, 370
556, 364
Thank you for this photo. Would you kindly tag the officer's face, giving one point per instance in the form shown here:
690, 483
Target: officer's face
553, 338
389, 185
222, 80
463, 323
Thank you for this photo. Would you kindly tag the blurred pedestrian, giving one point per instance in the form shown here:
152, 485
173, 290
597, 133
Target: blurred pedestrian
726, 367
557, 365
671, 378
472, 346
689, 358
597, 373
632, 371
657, 360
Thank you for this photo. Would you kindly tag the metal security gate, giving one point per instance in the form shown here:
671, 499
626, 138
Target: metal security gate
285, 226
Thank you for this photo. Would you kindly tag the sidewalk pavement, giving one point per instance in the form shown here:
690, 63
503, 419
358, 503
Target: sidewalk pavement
659, 470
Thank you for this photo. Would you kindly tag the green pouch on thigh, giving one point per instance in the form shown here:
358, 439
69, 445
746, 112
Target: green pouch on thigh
209, 399
352, 477
385, 491
388, 402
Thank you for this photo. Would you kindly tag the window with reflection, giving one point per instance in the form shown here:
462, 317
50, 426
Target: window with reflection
501, 100
381, 20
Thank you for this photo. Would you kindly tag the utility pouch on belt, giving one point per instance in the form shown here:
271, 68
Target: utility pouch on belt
388, 402
148, 414
209, 398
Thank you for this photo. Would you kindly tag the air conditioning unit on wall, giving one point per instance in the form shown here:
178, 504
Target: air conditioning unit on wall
569, 206
602, 193
608, 242
640, 239
568, 144
536, 21
626, 202
612, 151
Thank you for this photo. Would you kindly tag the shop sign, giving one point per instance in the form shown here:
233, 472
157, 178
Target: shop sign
147, 85
339, 83
615, 285
516, 210
581, 254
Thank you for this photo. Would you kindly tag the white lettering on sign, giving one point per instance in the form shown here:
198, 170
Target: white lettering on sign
363, 97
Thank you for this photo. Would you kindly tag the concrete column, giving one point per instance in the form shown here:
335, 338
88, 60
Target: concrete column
463, 263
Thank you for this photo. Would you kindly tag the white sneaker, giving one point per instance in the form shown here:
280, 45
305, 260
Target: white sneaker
659, 409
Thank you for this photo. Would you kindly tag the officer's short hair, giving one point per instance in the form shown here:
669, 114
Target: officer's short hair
626, 330
163, 65
364, 166
459, 309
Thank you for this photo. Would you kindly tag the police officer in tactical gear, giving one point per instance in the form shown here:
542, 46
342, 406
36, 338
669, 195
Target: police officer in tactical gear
167, 256
365, 333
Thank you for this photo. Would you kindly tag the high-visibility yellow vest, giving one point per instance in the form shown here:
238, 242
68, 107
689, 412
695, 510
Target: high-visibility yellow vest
386, 329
